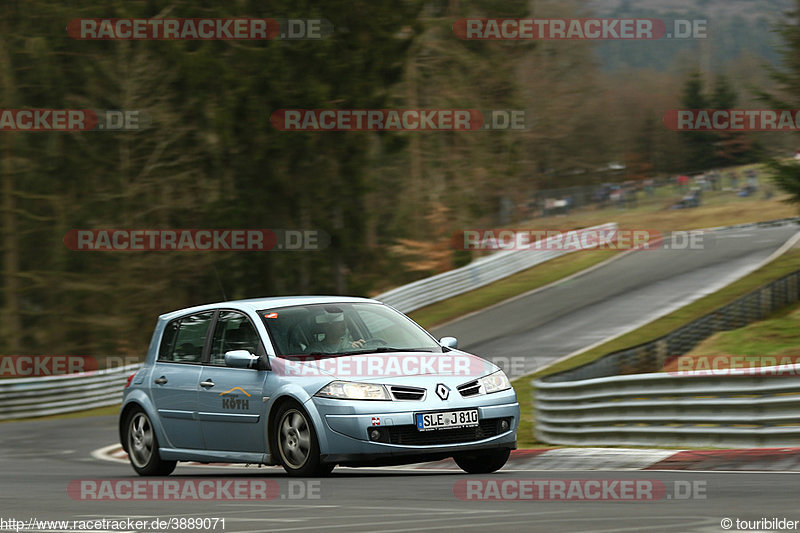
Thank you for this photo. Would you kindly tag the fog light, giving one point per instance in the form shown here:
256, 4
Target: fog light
504, 425
374, 434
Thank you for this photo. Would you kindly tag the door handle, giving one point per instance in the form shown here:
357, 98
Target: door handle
160, 381
207, 384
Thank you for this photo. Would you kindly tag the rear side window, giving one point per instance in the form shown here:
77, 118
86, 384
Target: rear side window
168, 341
184, 339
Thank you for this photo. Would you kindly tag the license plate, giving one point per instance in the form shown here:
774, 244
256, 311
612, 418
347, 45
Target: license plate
463, 418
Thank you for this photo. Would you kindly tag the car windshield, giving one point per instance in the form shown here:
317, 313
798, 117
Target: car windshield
344, 329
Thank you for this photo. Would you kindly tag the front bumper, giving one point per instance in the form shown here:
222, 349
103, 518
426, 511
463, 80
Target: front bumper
346, 426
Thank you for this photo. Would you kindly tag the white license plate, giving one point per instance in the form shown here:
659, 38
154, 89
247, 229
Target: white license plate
463, 418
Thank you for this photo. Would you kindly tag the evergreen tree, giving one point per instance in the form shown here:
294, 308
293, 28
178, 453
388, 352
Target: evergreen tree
786, 174
698, 146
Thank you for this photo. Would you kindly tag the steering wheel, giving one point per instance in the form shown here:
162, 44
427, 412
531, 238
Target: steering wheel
376, 340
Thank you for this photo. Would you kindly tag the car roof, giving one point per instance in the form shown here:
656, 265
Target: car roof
257, 304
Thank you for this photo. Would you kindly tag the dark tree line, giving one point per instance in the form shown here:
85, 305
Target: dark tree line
211, 159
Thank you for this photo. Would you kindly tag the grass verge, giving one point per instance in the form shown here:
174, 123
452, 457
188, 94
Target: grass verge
522, 282
774, 336
99, 411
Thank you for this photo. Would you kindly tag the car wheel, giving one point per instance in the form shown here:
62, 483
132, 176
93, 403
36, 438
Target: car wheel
296, 440
483, 462
142, 446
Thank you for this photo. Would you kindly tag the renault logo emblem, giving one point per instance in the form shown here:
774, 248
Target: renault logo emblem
442, 391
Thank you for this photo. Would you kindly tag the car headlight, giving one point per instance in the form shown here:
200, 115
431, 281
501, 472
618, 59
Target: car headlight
495, 382
347, 390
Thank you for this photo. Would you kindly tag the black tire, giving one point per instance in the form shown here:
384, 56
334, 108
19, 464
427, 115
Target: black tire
483, 462
295, 443
144, 457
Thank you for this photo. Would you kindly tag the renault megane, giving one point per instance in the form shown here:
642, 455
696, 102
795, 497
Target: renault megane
309, 383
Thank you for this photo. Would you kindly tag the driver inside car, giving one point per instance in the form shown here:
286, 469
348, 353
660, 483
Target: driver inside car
336, 336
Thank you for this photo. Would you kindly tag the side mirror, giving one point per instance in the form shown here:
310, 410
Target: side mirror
449, 342
240, 359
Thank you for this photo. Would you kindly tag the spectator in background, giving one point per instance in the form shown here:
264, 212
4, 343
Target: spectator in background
549, 206
734, 179
714, 179
649, 187
616, 196
683, 183
752, 179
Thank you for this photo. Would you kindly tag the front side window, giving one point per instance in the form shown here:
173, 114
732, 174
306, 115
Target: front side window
184, 339
336, 329
233, 332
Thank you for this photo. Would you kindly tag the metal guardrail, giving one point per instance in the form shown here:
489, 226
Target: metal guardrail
50, 395
757, 407
480, 272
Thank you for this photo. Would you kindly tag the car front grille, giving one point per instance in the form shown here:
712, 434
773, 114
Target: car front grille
407, 393
409, 435
469, 389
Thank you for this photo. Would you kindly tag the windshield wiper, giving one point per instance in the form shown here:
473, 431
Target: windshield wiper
383, 349
390, 349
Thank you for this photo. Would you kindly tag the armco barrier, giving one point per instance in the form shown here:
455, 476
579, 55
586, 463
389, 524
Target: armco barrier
731, 408
50, 395
480, 272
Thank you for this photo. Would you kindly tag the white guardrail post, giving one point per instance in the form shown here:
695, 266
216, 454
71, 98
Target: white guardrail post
50, 395
480, 272
742, 407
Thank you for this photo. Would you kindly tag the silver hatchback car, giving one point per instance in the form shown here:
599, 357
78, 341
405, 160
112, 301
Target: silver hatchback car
308, 383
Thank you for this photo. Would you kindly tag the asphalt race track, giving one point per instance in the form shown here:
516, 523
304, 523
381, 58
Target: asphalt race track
39, 460
622, 295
